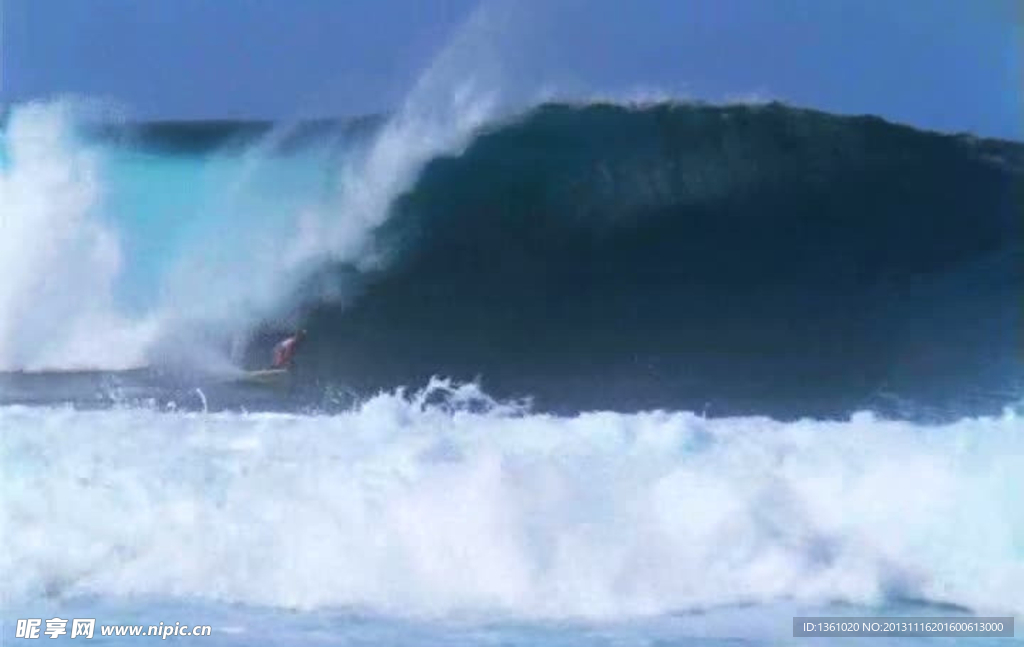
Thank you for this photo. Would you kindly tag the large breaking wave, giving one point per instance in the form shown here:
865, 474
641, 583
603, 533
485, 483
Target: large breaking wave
746, 258
681, 254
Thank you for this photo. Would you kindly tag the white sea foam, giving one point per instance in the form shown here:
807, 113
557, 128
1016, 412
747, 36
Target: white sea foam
408, 507
58, 259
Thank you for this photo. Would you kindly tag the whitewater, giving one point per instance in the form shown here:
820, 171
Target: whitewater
578, 372
444, 506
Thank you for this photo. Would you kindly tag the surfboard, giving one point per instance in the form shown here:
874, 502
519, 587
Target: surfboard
268, 377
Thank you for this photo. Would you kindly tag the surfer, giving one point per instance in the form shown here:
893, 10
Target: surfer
285, 350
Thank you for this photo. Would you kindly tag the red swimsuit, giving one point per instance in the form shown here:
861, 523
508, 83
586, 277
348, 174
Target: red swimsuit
284, 352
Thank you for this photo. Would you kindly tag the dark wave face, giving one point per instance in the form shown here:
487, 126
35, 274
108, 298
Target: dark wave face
747, 259
730, 260
203, 137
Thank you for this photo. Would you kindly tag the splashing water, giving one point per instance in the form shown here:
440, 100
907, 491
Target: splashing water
58, 259
444, 501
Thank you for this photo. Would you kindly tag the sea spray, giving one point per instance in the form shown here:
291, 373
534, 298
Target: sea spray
447, 502
59, 259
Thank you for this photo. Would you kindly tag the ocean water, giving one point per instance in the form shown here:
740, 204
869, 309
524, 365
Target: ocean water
443, 516
577, 373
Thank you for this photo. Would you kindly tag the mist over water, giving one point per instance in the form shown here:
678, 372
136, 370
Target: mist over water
59, 257
221, 228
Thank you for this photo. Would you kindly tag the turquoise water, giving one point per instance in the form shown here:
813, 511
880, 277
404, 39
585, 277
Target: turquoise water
216, 208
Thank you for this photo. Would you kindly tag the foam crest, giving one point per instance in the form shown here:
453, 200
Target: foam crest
258, 265
61, 260
438, 503
447, 105
58, 260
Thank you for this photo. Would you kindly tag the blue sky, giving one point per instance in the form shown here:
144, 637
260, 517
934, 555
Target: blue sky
953, 65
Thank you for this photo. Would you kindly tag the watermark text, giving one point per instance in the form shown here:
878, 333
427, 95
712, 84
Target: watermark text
34, 628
